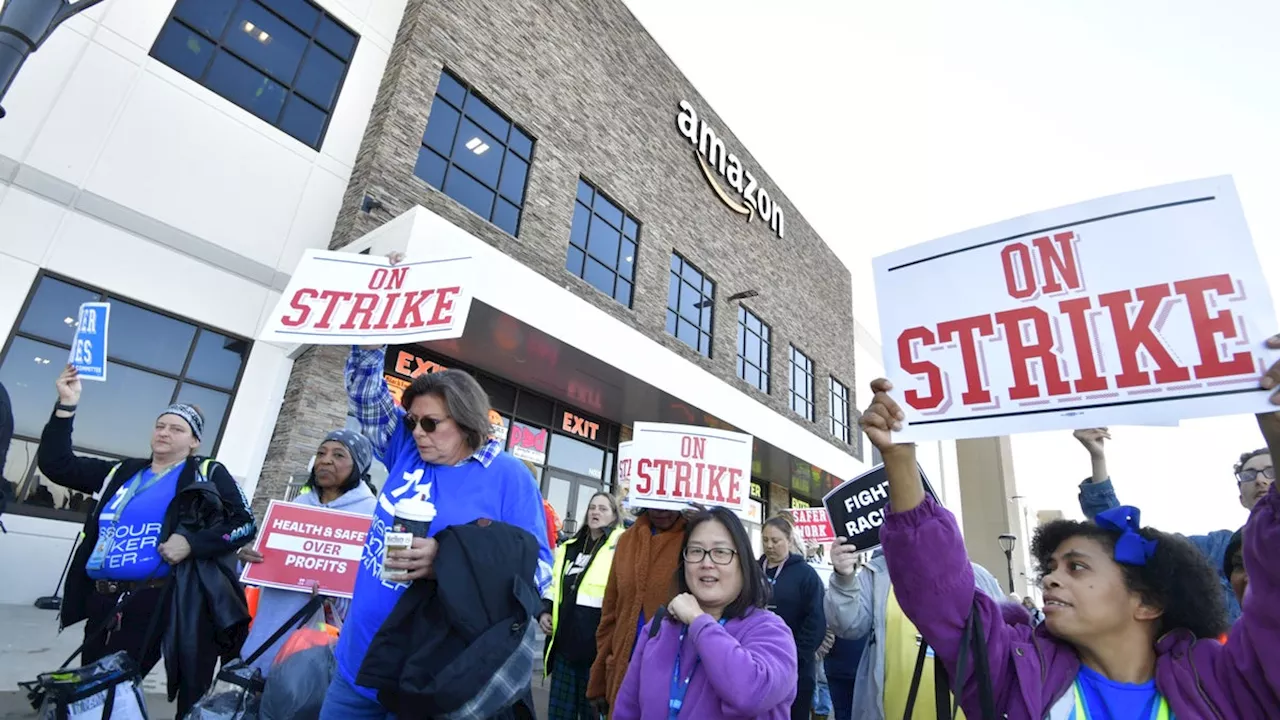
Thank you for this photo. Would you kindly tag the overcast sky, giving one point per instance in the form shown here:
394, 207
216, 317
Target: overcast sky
891, 123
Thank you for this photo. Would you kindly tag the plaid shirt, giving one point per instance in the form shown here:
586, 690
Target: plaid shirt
509, 685
370, 402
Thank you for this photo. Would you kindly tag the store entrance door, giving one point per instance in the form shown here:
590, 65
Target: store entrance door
570, 494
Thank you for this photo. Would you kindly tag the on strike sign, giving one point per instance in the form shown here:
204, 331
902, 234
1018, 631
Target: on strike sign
814, 524
338, 298
1134, 309
303, 545
671, 466
857, 507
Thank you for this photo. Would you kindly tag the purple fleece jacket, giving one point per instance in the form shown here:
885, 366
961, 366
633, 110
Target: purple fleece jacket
1031, 669
747, 670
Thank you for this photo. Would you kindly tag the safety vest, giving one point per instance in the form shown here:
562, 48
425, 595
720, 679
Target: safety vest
590, 588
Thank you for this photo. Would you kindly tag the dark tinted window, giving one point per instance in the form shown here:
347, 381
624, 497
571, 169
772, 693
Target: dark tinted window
475, 155
840, 426
282, 60
754, 344
691, 298
599, 251
801, 384
153, 360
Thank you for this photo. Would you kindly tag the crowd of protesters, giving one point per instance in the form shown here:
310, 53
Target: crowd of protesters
662, 613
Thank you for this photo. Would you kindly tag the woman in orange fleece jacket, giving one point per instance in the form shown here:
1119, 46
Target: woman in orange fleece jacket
641, 580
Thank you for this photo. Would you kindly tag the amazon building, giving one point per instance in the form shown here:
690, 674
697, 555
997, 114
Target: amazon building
635, 262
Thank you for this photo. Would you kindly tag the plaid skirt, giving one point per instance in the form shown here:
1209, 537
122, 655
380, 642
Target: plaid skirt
568, 691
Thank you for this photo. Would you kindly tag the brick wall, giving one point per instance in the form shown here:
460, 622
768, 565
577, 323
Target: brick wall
600, 98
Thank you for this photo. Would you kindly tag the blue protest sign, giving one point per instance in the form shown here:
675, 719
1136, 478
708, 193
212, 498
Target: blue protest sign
89, 348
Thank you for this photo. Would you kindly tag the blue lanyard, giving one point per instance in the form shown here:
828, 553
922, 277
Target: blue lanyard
680, 685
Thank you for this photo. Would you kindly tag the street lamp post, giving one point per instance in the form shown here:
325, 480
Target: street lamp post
1007, 542
24, 26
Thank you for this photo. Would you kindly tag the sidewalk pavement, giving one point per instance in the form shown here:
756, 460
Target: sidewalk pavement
30, 644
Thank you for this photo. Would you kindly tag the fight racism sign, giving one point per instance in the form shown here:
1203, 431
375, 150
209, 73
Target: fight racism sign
302, 546
856, 508
1132, 309
672, 466
337, 298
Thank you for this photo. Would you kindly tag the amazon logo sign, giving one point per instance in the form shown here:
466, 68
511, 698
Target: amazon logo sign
748, 197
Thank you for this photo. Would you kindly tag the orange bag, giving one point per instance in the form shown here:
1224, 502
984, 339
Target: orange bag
252, 593
304, 638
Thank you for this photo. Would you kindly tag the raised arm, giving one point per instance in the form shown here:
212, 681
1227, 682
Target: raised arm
369, 399
933, 579
55, 457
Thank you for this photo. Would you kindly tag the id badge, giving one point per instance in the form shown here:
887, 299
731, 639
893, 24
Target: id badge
100, 551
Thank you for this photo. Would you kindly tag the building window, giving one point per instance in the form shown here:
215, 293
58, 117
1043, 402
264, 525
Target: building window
691, 298
602, 244
154, 359
475, 155
839, 411
282, 60
801, 384
753, 350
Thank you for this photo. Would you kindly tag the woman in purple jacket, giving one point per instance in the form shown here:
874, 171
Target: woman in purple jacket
715, 652
1120, 639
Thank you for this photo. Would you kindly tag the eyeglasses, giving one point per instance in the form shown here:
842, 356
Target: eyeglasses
1245, 476
719, 556
427, 424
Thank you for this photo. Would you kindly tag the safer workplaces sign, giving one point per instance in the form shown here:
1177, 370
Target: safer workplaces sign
89, 346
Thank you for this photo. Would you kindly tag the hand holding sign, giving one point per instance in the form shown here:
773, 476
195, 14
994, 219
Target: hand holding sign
68, 384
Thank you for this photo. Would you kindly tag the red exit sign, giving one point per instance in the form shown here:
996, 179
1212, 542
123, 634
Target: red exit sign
580, 426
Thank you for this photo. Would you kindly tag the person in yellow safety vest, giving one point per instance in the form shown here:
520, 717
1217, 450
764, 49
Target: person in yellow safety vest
571, 614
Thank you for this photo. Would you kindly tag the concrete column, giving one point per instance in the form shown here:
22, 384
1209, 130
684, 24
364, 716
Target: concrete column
988, 492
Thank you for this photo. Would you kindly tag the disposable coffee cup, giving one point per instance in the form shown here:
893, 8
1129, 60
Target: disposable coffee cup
413, 519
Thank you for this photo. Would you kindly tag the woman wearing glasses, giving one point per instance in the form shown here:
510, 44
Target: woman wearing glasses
796, 592
435, 445
716, 652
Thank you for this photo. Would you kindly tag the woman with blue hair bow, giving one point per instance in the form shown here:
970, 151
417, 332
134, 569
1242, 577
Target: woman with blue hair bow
339, 481
1131, 614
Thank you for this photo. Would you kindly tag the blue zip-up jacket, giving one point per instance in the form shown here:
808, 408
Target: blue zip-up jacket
1096, 497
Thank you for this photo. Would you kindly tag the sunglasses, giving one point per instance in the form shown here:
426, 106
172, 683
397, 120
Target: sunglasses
1245, 476
427, 424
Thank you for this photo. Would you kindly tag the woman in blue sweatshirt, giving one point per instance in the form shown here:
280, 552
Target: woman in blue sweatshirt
435, 444
797, 593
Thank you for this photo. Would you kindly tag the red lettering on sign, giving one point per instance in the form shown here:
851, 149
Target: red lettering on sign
688, 481
907, 358
1207, 327
1061, 271
297, 303
364, 306
1019, 272
334, 297
388, 279
1133, 336
413, 307
1021, 353
693, 447
1077, 311
444, 306
384, 321
977, 393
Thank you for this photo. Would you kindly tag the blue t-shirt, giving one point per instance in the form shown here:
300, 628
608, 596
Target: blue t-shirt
1109, 700
504, 491
132, 535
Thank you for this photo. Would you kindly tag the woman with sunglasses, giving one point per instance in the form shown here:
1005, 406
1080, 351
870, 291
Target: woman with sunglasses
436, 446
715, 652
1131, 613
